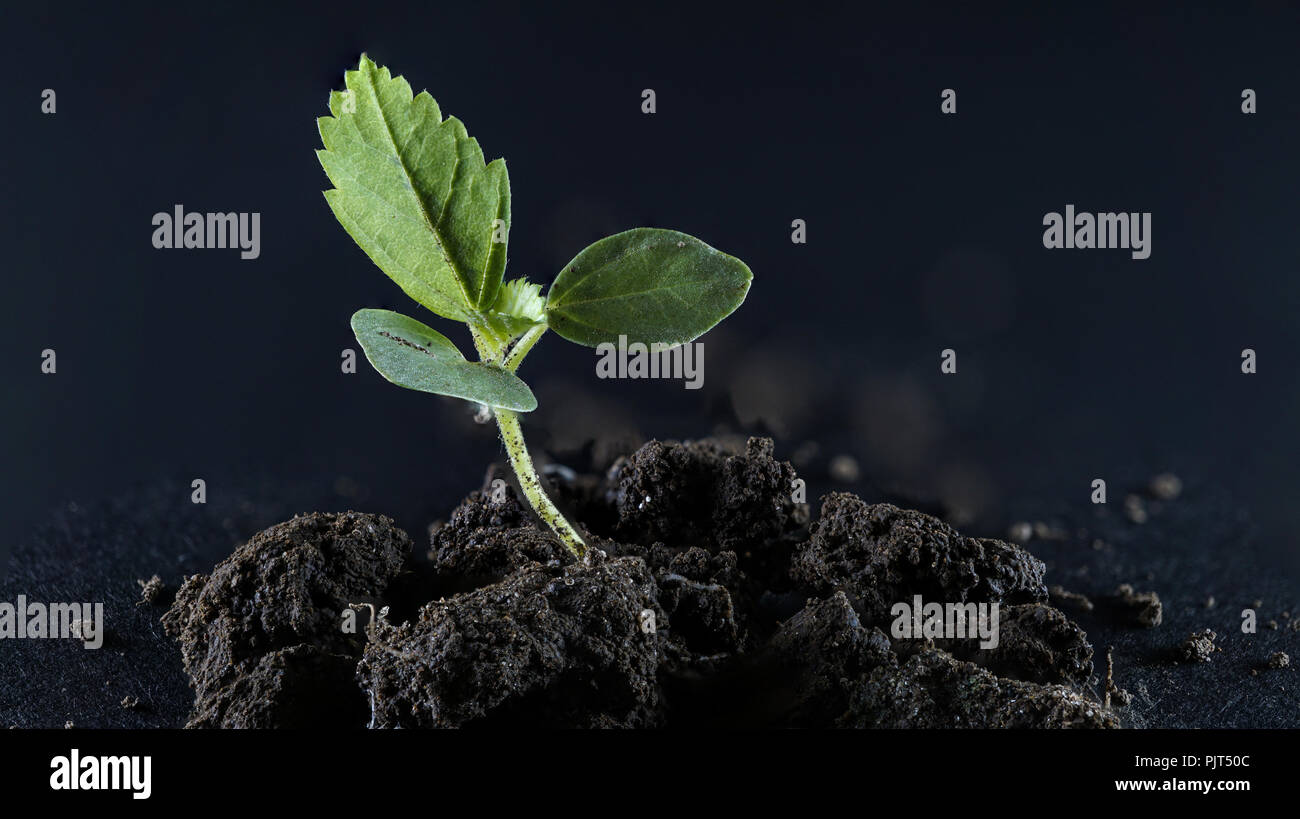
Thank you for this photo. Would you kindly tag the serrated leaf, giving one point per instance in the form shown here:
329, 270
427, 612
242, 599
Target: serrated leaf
518, 308
648, 284
520, 298
412, 189
417, 357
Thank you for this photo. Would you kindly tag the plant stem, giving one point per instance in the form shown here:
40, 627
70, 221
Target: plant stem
487, 351
522, 346
513, 437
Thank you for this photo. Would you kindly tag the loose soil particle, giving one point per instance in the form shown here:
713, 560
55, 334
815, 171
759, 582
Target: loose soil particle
1113, 692
1198, 647
152, 591
1068, 599
1139, 608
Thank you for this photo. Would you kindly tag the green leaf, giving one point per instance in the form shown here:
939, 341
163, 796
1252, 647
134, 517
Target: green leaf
417, 357
519, 307
519, 298
648, 284
413, 191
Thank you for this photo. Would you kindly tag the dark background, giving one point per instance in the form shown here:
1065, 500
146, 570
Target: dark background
924, 233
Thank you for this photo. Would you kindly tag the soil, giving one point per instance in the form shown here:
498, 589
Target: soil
729, 623
708, 599
261, 636
1141, 608
1198, 647
152, 591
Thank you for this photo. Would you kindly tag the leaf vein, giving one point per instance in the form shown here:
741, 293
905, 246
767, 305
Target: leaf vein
388, 129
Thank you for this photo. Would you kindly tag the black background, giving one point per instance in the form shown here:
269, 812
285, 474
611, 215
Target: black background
924, 233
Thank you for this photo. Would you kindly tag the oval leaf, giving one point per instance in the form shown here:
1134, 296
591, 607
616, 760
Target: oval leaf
648, 284
417, 357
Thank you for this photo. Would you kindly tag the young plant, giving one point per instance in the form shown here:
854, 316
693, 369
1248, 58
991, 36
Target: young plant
414, 192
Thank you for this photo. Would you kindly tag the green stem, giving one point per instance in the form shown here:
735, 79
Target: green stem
486, 352
513, 437
522, 346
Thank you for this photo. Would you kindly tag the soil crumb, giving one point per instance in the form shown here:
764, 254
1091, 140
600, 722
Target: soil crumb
264, 636
1067, 599
1136, 608
1198, 647
1113, 691
1279, 659
152, 591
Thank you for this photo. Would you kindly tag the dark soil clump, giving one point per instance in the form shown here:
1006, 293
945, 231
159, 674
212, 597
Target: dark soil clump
707, 599
262, 637
702, 494
879, 554
808, 662
490, 535
934, 690
557, 646
1036, 643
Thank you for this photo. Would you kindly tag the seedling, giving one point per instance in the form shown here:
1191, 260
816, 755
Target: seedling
414, 192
